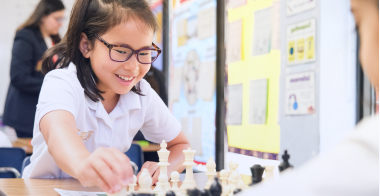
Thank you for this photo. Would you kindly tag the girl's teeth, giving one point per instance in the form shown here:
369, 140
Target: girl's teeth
125, 78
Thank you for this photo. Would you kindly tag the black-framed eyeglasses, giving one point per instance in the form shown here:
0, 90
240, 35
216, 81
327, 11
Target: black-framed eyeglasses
121, 53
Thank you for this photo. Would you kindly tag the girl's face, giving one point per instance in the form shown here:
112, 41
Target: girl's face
52, 22
132, 33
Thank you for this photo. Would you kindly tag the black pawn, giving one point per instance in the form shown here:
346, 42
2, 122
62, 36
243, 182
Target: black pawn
215, 188
257, 174
193, 192
236, 191
170, 193
204, 192
285, 164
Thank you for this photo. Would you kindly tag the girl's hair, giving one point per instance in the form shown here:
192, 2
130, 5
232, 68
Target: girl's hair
44, 8
94, 17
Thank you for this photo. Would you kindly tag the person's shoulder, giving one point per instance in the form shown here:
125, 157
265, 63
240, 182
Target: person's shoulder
144, 87
67, 75
25, 32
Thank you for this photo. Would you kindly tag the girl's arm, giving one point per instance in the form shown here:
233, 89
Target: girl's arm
107, 168
176, 157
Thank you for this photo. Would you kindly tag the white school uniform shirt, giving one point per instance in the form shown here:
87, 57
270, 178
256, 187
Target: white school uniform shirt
350, 169
61, 90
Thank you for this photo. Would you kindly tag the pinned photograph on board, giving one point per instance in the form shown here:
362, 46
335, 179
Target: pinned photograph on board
191, 71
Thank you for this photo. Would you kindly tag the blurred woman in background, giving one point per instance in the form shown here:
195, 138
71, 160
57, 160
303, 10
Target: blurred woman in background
33, 38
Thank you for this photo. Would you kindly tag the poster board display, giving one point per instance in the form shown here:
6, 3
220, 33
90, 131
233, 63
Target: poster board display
192, 93
256, 69
157, 9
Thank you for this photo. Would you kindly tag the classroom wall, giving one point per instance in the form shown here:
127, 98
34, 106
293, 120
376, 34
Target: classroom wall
12, 14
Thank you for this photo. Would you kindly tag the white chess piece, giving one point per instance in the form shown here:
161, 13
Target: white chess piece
132, 185
189, 182
162, 179
163, 155
175, 179
224, 177
269, 172
210, 165
235, 178
145, 182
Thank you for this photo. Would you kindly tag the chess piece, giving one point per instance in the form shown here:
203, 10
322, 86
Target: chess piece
204, 192
224, 177
170, 193
132, 185
285, 164
145, 182
233, 167
210, 165
269, 172
215, 188
175, 179
162, 179
241, 185
163, 155
192, 192
236, 191
257, 174
189, 182
235, 178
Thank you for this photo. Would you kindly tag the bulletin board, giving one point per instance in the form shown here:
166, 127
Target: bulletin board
192, 73
157, 9
254, 68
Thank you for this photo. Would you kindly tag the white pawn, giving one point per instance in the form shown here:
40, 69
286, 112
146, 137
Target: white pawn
132, 185
163, 178
224, 177
175, 179
235, 178
145, 182
210, 165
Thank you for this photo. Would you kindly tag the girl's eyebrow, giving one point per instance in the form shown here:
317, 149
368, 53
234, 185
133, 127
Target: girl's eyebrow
122, 44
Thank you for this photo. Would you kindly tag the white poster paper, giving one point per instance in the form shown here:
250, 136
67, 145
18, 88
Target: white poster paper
297, 6
236, 3
196, 136
207, 80
206, 23
175, 89
276, 18
234, 50
235, 104
262, 32
300, 40
258, 96
300, 93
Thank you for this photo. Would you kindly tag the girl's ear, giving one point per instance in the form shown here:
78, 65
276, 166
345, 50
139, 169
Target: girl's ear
84, 45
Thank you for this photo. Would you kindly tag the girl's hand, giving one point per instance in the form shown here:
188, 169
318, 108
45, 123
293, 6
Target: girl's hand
107, 168
154, 171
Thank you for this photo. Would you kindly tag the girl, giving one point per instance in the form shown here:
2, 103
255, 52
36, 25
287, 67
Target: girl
95, 102
32, 39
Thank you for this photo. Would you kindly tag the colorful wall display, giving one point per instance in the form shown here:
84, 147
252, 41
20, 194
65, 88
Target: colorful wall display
253, 58
192, 94
298, 6
157, 8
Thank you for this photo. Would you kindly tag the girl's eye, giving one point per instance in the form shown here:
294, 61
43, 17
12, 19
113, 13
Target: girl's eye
143, 53
121, 52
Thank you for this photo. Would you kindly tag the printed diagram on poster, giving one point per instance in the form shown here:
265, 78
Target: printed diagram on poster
234, 52
235, 104
181, 32
301, 39
258, 96
300, 93
206, 23
207, 80
297, 6
191, 71
262, 32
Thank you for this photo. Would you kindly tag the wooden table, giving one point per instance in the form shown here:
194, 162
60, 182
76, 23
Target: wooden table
25, 144
45, 187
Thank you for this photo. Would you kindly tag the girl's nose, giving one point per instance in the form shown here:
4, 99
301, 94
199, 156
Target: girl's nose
132, 64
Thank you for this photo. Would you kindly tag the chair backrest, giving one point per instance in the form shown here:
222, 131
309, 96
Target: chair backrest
136, 155
11, 157
25, 163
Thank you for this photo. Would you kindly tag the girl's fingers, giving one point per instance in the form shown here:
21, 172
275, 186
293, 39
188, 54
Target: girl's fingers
155, 176
98, 181
106, 174
123, 167
145, 165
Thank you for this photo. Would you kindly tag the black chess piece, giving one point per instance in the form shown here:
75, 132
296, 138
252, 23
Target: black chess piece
215, 188
192, 192
204, 192
257, 174
170, 193
285, 164
236, 191
142, 194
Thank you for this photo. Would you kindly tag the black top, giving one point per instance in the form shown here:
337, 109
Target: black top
24, 88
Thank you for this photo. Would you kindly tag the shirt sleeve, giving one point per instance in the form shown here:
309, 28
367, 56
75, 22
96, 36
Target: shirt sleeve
56, 94
159, 122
